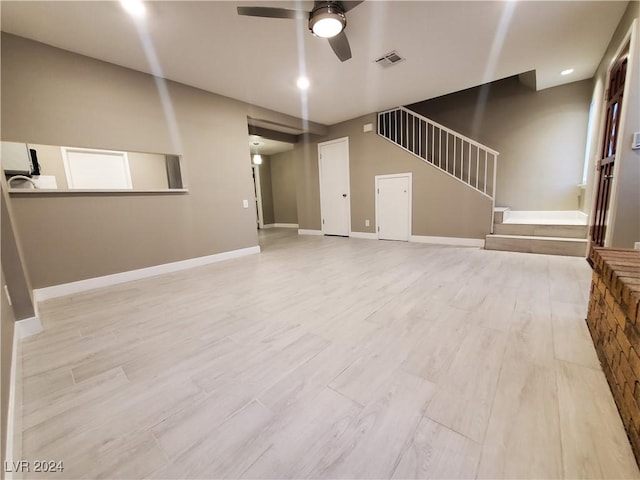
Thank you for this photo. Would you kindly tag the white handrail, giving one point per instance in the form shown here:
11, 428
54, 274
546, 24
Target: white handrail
398, 125
442, 127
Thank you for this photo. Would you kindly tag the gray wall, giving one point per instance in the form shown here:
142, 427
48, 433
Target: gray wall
55, 97
283, 182
626, 224
18, 281
307, 185
541, 137
6, 347
442, 206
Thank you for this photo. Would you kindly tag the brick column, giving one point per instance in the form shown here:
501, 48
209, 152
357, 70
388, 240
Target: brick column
614, 323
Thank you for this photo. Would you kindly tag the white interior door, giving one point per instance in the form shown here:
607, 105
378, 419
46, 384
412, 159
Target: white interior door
333, 163
393, 207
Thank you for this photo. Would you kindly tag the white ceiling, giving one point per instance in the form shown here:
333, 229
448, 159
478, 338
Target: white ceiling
449, 46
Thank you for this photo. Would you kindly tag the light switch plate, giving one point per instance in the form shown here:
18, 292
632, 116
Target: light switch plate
366, 223
636, 246
245, 203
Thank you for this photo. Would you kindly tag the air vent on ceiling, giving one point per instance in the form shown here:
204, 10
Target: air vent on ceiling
389, 59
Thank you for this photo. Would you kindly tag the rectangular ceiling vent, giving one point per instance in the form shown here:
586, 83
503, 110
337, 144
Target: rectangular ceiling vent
389, 59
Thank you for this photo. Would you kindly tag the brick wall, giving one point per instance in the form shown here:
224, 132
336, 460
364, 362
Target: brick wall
614, 323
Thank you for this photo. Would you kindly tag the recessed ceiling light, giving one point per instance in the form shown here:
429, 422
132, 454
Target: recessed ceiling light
568, 71
135, 7
303, 83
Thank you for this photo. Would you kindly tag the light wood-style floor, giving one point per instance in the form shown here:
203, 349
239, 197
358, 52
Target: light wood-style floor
328, 357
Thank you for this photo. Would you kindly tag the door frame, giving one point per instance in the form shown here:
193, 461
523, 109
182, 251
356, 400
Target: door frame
258, 190
320, 145
408, 175
630, 38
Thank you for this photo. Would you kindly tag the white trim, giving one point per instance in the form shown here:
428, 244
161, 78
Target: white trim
281, 225
365, 235
11, 414
46, 293
302, 231
408, 175
285, 225
460, 242
258, 191
28, 327
320, 145
620, 147
13, 447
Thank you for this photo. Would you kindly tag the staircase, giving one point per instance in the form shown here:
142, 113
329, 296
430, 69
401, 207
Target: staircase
550, 239
475, 165
460, 157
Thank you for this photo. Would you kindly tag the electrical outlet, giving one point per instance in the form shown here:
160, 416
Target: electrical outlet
245, 203
366, 222
636, 246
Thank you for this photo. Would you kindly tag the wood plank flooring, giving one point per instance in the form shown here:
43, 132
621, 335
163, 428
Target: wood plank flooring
327, 357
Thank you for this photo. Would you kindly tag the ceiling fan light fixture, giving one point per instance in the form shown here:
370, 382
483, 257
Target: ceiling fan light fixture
327, 21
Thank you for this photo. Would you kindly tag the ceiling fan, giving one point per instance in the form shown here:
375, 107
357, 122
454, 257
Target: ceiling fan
327, 20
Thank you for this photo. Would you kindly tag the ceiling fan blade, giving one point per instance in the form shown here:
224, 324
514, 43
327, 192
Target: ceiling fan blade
270, 12
350, 4
340, 46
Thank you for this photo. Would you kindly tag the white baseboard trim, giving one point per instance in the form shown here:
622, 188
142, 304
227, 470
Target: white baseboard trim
41, 294
28, 327
365, 235
460, 242
13, 447
302, 231
281, 225
285, 225
13, 450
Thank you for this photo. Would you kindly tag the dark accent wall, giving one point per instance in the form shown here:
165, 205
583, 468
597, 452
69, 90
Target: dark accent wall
541, 137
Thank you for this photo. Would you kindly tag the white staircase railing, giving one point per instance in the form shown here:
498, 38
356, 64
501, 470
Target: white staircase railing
464, 159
